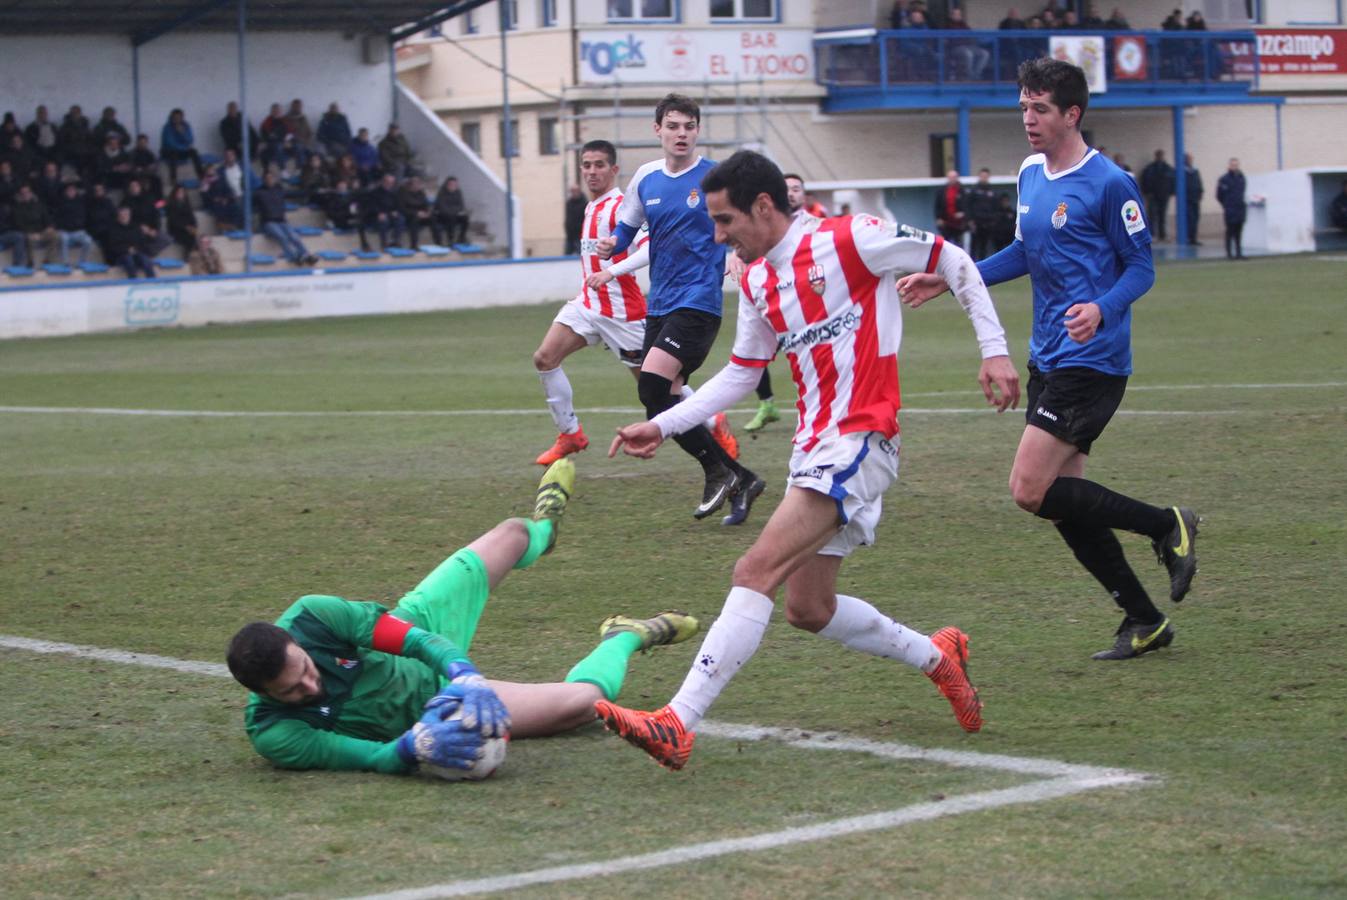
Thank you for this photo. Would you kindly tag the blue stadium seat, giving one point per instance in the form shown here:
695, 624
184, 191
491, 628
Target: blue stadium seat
237, 235
56, 269
308, 230
467, 248
434, 250
332, 255
93, 268
208, 159
400, 252
343, 231
263, 259
168, 262
366, 254
18, 271
291, 206
190, 183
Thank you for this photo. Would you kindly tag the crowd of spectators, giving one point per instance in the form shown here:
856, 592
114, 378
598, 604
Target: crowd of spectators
71, 186
919, 14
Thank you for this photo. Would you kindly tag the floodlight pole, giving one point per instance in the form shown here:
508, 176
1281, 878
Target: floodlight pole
246, 163
507, 131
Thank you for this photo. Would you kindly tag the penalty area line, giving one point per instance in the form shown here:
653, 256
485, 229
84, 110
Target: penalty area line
1058, 779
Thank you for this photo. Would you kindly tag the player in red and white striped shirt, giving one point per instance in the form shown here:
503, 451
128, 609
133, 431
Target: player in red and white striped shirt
823, 292
609, 308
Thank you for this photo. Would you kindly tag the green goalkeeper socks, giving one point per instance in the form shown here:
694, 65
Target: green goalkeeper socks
606, 665
540, 538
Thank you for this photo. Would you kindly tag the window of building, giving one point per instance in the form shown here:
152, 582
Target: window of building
624, 10
736, 10
471, 132
509, 147
511, 8
469, 23
547, 13
549, 136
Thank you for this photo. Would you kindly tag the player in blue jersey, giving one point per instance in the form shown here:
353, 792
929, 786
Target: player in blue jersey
684, 303
1082, 239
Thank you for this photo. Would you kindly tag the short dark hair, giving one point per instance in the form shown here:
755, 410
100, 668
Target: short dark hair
604, 147
796, 177
984, 169
1061, 81
256, 654
744, 176
678, 103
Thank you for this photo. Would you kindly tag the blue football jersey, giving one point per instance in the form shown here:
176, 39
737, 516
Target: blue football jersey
687, 266
1080, 228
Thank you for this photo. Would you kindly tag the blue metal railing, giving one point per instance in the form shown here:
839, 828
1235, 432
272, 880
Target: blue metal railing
963, 62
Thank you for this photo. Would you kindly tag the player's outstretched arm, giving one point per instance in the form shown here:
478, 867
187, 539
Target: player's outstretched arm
639, 439
917, 288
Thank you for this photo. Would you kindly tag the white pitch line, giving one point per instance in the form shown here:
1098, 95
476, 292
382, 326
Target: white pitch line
1063, 780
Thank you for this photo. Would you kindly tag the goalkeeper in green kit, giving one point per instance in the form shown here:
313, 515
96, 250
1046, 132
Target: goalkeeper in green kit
341, 684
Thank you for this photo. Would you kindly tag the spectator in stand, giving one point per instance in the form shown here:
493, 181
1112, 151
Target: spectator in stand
1157, 186
43, 137
274, 130
298, 124
1117, 21
33, 221
100, 216
1230, 194
951, 209
108, 124
180, 219
813, 207
416, 210
145, 215
9, 182
269, 203
339, 205
11, 238
1090, 19
1070, 21
575, 219
48, 186
1121, 162
451, 213
145, 167
1195, 21
1050, 20
898, 15
177, 144
1192, 197
1337, 210
983, 206
231, 132
1004, 230
124, 246
969, 55
334, 133
70, 217
381, 211
1012, 21
395, 154
204, 258
344, 170
315, 180
1174, 22
75, 140
21, 159
219, 198
8, 129
366, 157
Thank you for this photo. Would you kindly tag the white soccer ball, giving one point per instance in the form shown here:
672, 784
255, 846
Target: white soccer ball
493, 755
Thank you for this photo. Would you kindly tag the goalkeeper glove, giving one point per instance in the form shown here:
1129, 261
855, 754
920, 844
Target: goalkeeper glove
448, 744
481, 708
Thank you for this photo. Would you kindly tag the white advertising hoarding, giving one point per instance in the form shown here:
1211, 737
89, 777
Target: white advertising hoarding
722, 54
1086, 52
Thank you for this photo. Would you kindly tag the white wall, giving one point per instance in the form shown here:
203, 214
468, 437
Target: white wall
197, 72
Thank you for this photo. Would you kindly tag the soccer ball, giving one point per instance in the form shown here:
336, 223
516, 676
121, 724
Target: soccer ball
493, 754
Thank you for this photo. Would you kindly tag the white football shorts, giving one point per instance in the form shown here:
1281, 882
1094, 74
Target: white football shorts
623, 339
855, 470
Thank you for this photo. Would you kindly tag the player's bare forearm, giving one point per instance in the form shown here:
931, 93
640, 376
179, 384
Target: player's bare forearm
917, 288
1000, 382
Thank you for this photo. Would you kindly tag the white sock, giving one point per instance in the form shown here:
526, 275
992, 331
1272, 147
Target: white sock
860, 626
560, 400
685, 392
731, 641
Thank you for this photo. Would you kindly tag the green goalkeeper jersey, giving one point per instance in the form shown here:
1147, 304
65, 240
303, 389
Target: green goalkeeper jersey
371, 696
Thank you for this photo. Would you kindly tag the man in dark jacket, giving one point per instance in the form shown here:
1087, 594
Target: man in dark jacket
70, 215
575, 220
100, 216
112, 164
951, 209
231, 132
48, 186
43, 137
269, 204
983, 205
1157, 186
109, 125
380, 210
334, 133
395, 154
125, 248
10, 237
32, 219
21, 159
339, 205
416, 210
1230, 194
75, 140
1192, 197
452, 212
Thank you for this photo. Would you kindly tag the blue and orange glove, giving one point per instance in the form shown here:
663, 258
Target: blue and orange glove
449, 744
468, 691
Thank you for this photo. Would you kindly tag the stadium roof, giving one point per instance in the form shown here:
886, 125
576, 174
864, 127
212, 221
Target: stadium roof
144, 20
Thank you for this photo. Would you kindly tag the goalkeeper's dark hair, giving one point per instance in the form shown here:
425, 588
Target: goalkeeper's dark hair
744, 176
1060, 80
604, 147
678, 103
256, 654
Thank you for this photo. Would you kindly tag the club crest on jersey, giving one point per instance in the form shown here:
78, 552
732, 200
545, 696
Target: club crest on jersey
693, 199
346, 663
816, 280
1059, 217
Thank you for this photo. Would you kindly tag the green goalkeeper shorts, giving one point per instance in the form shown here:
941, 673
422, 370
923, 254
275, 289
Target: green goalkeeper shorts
449, 601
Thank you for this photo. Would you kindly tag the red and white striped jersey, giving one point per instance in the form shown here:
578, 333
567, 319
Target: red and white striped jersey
825, 296
622, 297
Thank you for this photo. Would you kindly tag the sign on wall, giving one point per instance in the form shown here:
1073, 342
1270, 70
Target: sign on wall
717, 55
1086, 52
1302, 51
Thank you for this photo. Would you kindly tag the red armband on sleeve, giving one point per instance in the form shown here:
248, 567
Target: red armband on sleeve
390, 633
936, 247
